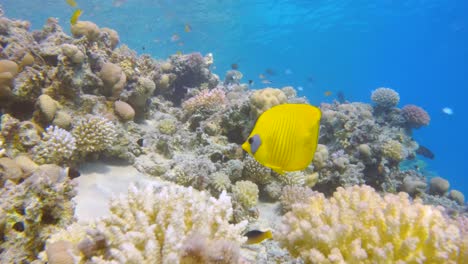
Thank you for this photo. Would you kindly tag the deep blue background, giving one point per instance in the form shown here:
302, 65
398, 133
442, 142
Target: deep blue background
417, 47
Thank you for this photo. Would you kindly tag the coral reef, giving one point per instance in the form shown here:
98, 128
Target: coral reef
359, 225
33, 210
70, 99
169, 224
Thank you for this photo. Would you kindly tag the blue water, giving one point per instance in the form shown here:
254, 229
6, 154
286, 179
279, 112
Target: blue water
417, 47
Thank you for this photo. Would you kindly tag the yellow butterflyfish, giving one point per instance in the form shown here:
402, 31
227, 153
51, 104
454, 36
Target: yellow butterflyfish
75, 16
285, 137
187, 28
71, 3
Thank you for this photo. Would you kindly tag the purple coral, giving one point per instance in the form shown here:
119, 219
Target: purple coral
415, 116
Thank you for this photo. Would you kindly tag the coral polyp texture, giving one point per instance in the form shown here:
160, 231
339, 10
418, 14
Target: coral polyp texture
415, 116
93, 134
207, 101
57, 146
357, 225
169, 224
385, 97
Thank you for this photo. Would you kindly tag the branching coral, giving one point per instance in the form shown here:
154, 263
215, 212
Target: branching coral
57, 146
415, 116
357, 225
246, 193
93, 134
207, 101
385, 97
169, 224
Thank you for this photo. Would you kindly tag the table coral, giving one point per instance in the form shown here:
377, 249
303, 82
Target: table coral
357, 225
170, 224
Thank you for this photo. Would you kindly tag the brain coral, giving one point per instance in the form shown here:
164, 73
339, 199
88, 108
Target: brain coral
357, 225
93, 134
170, 224
57, 146
415, 116
262, 100
385, 97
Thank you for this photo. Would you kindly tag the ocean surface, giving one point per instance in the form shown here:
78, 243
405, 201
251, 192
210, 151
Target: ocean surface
418, 48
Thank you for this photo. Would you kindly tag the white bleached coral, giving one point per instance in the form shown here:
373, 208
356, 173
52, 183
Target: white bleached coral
94, 134
357, 225
57, 146
158, 225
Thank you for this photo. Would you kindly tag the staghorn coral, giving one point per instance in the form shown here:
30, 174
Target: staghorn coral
357, 225
31, 211
415, 116
168, 224
57, 146
385, 97
93, 134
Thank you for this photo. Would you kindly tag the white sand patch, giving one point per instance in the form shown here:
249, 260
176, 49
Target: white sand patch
99, 182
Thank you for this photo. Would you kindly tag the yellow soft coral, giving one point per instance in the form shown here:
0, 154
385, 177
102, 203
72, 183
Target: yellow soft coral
357, 225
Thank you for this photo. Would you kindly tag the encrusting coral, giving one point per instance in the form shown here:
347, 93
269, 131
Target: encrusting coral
32, 210
357, 225
168, 224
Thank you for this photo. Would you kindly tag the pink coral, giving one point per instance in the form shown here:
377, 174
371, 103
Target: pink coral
415, 116
206, 101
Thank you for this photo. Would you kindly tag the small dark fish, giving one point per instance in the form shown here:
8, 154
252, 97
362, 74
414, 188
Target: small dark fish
310, 79
425, 152
270, 71
143, 48
251, 82
257, 236
340, 96
19, 226
140, 142
73, 173
234, 66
